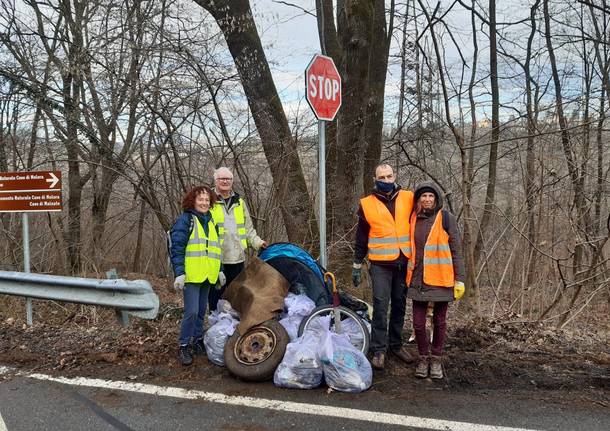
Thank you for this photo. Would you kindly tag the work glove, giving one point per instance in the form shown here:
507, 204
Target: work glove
222, 278
458, 290
179, 282
356, 274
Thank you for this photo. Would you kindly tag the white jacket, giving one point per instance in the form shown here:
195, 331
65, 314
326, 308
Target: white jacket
231, 247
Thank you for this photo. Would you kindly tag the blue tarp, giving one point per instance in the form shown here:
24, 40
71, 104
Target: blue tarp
300, 269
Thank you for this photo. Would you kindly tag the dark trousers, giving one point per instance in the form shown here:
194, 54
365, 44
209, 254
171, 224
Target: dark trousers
419, 326
389, 291
231, 270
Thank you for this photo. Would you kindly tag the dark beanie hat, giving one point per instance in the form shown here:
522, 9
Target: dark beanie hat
425, 189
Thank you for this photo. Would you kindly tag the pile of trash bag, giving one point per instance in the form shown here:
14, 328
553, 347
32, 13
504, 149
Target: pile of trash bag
296, 308
321, 353
318, 355
223, 322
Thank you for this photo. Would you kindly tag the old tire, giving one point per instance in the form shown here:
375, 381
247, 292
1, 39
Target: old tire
255, 355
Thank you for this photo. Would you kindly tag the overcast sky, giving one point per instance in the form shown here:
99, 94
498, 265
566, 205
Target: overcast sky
290, 39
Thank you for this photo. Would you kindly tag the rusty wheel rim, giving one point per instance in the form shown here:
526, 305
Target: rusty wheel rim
255, 346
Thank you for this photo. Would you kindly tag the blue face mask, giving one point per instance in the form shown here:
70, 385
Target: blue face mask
384, 187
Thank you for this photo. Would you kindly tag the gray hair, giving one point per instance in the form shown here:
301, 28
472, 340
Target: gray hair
221, 169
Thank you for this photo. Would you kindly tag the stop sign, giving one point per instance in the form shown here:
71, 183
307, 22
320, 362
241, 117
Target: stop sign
323, 87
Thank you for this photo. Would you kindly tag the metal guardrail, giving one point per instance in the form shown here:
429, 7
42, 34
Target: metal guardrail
125, 296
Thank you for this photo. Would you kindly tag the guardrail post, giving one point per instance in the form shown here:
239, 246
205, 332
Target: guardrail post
121, 315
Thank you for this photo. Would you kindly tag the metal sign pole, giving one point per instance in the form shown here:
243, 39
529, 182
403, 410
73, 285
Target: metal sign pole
322, 190
26, 262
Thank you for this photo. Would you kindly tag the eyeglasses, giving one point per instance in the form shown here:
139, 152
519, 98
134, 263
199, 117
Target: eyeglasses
224, 179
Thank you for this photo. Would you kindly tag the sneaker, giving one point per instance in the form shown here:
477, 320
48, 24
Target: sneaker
199, 347
378, 361
421, 370
436, 368
186, 358
403, 354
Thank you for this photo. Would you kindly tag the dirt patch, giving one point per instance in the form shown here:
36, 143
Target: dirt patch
481, 355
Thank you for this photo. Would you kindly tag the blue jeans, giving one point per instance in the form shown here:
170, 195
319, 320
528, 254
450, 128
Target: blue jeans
195, 304
389, 291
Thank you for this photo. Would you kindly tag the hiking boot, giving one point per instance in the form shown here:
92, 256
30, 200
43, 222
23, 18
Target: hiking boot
199, 347
186, 358
421, 370
436, 368
403, 354
378, 361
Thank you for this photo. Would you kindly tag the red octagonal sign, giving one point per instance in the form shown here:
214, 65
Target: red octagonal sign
323, 87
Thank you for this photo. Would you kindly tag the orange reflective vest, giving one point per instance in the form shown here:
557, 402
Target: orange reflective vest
438, 264
388, 235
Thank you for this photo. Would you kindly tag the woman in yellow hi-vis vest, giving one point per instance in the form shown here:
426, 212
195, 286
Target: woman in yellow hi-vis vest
435, 274
195, 256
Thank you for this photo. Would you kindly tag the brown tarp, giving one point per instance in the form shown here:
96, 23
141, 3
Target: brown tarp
257, 293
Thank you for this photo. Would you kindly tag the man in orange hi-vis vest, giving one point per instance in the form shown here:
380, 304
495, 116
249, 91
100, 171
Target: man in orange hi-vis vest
436, 274
383, 237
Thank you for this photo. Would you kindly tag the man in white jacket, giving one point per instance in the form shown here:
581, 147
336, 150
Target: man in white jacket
236, 230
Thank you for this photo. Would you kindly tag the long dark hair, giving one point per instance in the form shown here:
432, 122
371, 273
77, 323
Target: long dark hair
188, 201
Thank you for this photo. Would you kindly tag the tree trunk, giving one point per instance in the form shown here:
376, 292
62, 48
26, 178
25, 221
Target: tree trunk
135, 266
473, 292
378, 67
467, 158
355, 22
237, 25
495, 134
530, 171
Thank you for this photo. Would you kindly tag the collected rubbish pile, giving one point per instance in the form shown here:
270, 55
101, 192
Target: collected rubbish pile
318, 354
223, 322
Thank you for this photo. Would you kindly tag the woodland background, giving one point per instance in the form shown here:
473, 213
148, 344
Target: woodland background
137, 101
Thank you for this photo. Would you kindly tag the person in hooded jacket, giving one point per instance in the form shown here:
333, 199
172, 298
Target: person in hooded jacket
435, 274
237, 232
196, 260
382, 236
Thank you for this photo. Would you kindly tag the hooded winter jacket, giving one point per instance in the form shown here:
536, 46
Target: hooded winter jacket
441, 225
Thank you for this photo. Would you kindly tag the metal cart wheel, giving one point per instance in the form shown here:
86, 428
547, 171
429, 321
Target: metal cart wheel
338, 317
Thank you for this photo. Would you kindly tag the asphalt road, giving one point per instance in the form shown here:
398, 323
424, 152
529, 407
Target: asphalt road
33, 402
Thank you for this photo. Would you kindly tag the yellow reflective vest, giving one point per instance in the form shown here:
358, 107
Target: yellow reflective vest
240, 220
202, 254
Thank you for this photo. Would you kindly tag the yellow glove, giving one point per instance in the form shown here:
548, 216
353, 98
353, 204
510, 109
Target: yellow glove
458, 290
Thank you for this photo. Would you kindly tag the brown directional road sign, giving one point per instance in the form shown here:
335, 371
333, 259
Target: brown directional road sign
30, 191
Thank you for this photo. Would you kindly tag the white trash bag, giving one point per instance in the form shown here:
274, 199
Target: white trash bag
346, 369
298, 305
291, 324
215, 338
296, 308
224, 306
353, 330
300, 368
319, 326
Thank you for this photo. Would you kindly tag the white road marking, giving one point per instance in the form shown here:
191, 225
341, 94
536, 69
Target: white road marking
3, 370
262, 403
